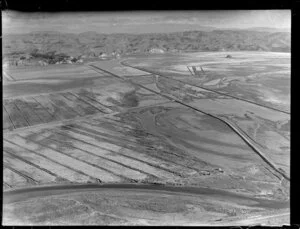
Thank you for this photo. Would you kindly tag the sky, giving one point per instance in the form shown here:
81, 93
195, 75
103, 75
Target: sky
143, 21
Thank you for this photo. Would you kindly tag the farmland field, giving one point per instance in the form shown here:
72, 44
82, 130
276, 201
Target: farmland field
120, 128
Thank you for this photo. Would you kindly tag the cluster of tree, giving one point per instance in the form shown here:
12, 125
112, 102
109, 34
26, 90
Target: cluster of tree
50, 57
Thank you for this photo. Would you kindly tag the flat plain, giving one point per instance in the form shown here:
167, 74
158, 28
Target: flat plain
153, 139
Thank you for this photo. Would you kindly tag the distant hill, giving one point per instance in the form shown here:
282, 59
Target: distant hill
94, 44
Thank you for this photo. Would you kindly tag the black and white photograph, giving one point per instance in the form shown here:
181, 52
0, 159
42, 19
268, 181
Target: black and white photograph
146, 118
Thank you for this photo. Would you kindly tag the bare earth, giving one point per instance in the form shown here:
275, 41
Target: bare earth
106, 123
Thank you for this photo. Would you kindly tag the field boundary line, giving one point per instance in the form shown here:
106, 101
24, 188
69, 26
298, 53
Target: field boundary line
3, 107
33, 110
18, 114
104, 158
28, 178
107, 139
75, 158
86, 152
122, 154
31, 163
24, 115
42, 155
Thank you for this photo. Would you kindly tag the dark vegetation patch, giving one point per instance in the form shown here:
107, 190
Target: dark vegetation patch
130, 99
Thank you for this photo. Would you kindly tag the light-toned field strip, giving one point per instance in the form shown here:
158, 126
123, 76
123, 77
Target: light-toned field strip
66, 159
81, 154
81, 142
13, 179
14, 155
113, 167
129, 151
14, 114
121, 140
44, 162
36, 174
112, 139
93, 143
25, 110
27, 178
7, 124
